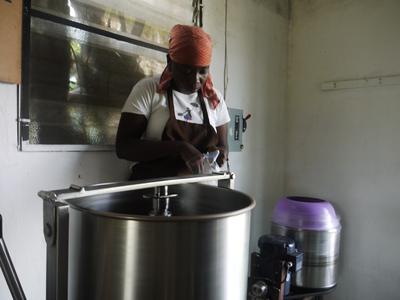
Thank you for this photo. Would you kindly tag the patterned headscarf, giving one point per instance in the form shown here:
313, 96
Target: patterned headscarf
190, 45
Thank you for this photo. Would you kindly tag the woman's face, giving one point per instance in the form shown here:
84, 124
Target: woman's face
187, 79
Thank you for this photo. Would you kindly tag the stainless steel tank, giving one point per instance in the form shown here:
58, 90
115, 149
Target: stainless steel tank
315, 227
120, 249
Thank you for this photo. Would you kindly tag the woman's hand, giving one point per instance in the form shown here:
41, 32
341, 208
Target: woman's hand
192, 157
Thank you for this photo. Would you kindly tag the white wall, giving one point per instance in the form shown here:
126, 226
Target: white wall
344, 145
257, 82
257, 60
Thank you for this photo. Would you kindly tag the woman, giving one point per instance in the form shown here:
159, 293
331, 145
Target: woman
169, 122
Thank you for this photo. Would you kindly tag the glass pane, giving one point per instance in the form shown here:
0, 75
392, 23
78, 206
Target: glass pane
79, 82
148, 20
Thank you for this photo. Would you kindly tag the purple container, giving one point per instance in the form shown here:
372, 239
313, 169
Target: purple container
314, 226
305, 213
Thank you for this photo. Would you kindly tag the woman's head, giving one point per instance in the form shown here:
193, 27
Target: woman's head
190, 45
189, 58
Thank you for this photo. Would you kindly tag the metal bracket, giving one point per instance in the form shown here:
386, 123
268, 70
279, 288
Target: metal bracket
77, 188
24, 120
228, 183
55, 230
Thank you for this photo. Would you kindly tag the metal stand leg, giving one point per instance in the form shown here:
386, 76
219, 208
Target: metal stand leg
8, 269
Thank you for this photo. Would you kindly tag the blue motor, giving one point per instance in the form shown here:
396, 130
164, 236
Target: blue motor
271, 268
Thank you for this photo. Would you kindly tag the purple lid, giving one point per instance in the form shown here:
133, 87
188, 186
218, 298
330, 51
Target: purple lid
305, 213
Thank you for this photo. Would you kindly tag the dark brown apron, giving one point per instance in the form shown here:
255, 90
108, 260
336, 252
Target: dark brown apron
201, 136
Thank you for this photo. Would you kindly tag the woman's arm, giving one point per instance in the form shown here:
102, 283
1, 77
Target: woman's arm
130, 146
222, 132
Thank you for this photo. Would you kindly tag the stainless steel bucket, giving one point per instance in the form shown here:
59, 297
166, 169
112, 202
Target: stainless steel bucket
118, 251
321, 255
315, 228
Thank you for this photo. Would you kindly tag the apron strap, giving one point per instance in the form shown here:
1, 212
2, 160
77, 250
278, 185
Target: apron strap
206, 120
170, 101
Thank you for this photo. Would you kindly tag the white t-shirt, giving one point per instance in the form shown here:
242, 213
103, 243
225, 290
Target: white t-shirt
144, 100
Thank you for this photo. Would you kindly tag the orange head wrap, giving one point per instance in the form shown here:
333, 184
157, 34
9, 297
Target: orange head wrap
190, 45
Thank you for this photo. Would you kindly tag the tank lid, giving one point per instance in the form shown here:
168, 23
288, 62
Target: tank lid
305, 213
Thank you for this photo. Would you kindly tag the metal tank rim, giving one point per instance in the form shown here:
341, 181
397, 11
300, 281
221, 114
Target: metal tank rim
119, 216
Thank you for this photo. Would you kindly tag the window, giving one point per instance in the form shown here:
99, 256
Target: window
81, 59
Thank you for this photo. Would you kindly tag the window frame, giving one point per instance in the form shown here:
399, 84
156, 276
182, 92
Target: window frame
23, 93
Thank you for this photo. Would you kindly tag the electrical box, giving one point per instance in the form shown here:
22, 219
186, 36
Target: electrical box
235, 131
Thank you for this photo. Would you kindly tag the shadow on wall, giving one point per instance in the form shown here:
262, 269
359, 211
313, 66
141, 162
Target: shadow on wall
279, 7
98, 167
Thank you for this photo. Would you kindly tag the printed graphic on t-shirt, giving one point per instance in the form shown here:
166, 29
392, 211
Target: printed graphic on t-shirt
189, 112
187, 115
